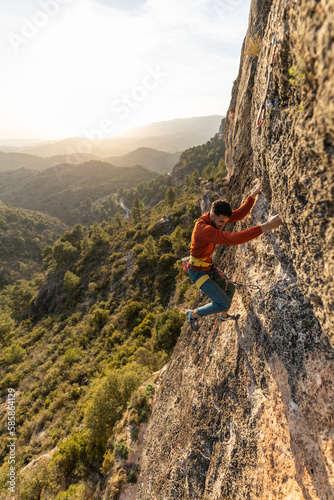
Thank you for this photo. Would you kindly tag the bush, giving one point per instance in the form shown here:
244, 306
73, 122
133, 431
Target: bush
33, 481
153, 360
108, 403
80, 491
121, 449
137, 249
71, 281
71, 356
134, 432
164, 244
139, 401
108, 461
99, 318
142, 415
64, 253
144, 328
167, 329
131, 476
6, 324
115, 484
166, 262
149, 389
71, 454
180, 244
131, 312
13, 354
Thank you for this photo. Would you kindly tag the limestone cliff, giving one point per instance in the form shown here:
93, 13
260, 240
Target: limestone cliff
261, 425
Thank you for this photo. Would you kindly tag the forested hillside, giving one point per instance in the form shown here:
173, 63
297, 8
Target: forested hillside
23, 236
80, 345
75, 194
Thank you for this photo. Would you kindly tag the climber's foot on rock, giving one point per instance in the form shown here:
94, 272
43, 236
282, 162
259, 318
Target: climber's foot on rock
235, 317
193, 321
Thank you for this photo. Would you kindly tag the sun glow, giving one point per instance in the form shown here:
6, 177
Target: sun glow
90, 63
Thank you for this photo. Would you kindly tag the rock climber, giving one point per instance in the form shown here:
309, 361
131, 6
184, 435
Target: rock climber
207, 233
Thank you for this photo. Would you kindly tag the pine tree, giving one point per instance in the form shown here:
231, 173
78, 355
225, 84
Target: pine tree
170, 196
136, 210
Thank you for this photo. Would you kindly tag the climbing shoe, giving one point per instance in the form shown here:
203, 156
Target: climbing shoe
229, 317
193, 321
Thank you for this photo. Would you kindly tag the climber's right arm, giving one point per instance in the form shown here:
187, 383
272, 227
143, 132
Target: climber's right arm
271, 223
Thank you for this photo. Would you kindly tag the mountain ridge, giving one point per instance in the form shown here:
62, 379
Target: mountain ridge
157, 161
175, 135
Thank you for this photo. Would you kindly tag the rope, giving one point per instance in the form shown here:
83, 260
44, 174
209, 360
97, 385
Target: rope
227, 281
189, 407
252, 287
262, 111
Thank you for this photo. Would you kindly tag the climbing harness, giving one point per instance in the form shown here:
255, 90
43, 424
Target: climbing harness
194, 264
187, 264
266, 103
176, 447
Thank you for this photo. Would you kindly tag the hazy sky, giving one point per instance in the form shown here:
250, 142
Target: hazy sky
73, 66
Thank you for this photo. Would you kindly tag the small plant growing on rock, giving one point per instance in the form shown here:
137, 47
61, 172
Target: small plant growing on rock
297, 75
121, 449
116, 482
134, 432
149, 389
131, 473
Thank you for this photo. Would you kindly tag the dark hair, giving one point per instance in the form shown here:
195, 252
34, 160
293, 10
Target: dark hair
220, 207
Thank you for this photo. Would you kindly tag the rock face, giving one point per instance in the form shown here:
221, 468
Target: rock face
261, 424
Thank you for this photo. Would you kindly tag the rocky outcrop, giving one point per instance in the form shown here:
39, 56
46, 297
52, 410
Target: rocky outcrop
261, 424
293, 152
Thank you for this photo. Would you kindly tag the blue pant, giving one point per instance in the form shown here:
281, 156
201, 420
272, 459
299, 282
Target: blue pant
214, 288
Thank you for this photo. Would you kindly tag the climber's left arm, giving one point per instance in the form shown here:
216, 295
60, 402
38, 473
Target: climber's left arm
244, 210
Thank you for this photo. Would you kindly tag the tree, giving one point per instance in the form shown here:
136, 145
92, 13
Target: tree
71, 281
107, 404
170, 196
180, 245
118, 219
136, 210
167, 329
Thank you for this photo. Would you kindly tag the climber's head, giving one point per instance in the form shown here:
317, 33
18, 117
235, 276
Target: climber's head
220, 212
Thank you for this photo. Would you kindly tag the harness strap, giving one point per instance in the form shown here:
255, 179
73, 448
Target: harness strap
202, 280
198, 268
199, 262
222, 275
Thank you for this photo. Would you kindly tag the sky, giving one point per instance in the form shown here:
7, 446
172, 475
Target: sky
96, 68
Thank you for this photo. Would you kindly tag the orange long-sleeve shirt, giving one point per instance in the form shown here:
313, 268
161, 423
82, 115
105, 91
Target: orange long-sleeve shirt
205, 236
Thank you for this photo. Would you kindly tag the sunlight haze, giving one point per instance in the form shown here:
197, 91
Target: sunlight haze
75, 66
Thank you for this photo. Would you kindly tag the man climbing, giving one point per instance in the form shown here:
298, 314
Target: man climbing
207, 233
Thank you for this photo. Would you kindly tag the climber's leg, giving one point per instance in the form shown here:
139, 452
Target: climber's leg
215, 289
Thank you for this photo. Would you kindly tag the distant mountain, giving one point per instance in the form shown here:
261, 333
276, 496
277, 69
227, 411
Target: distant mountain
206, 126
169, 136
13, 161
21, 143
69, 191
159, 161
